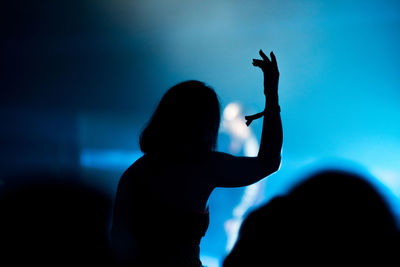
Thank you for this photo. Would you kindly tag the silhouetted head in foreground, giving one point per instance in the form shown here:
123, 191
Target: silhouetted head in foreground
187, 118
332, 215
53, 221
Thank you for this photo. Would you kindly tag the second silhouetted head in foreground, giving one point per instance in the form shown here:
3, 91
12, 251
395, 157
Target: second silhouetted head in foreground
332, 216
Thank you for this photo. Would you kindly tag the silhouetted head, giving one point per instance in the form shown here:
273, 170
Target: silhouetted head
53, 219
331, 215
344, 202
187, 118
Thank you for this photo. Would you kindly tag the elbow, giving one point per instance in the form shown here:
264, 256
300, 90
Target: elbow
276, 164
270, 164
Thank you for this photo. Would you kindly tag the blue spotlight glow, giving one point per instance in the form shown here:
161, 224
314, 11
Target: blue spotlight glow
108, 159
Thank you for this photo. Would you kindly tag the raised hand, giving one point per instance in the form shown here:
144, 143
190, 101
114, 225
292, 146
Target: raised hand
271, 79
270, 70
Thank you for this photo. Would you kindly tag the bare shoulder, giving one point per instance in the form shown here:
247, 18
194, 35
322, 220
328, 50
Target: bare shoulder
136, 169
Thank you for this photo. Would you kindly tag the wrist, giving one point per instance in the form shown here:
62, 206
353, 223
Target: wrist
272, 102
272, 98
272, 108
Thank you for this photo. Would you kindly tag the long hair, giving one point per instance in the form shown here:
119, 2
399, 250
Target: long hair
187, 116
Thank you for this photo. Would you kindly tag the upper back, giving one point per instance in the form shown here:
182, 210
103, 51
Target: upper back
180, 181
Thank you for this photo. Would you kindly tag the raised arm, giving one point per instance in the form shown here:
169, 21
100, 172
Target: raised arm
241, 171
272, 136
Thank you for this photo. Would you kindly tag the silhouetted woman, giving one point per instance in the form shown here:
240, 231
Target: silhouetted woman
161, 210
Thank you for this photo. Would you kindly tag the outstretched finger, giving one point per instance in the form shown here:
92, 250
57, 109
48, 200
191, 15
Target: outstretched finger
273, 59
264, 56
258, 63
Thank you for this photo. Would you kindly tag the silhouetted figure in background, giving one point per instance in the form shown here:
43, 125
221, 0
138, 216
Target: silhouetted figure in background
332, 217
161, 210
53, 221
